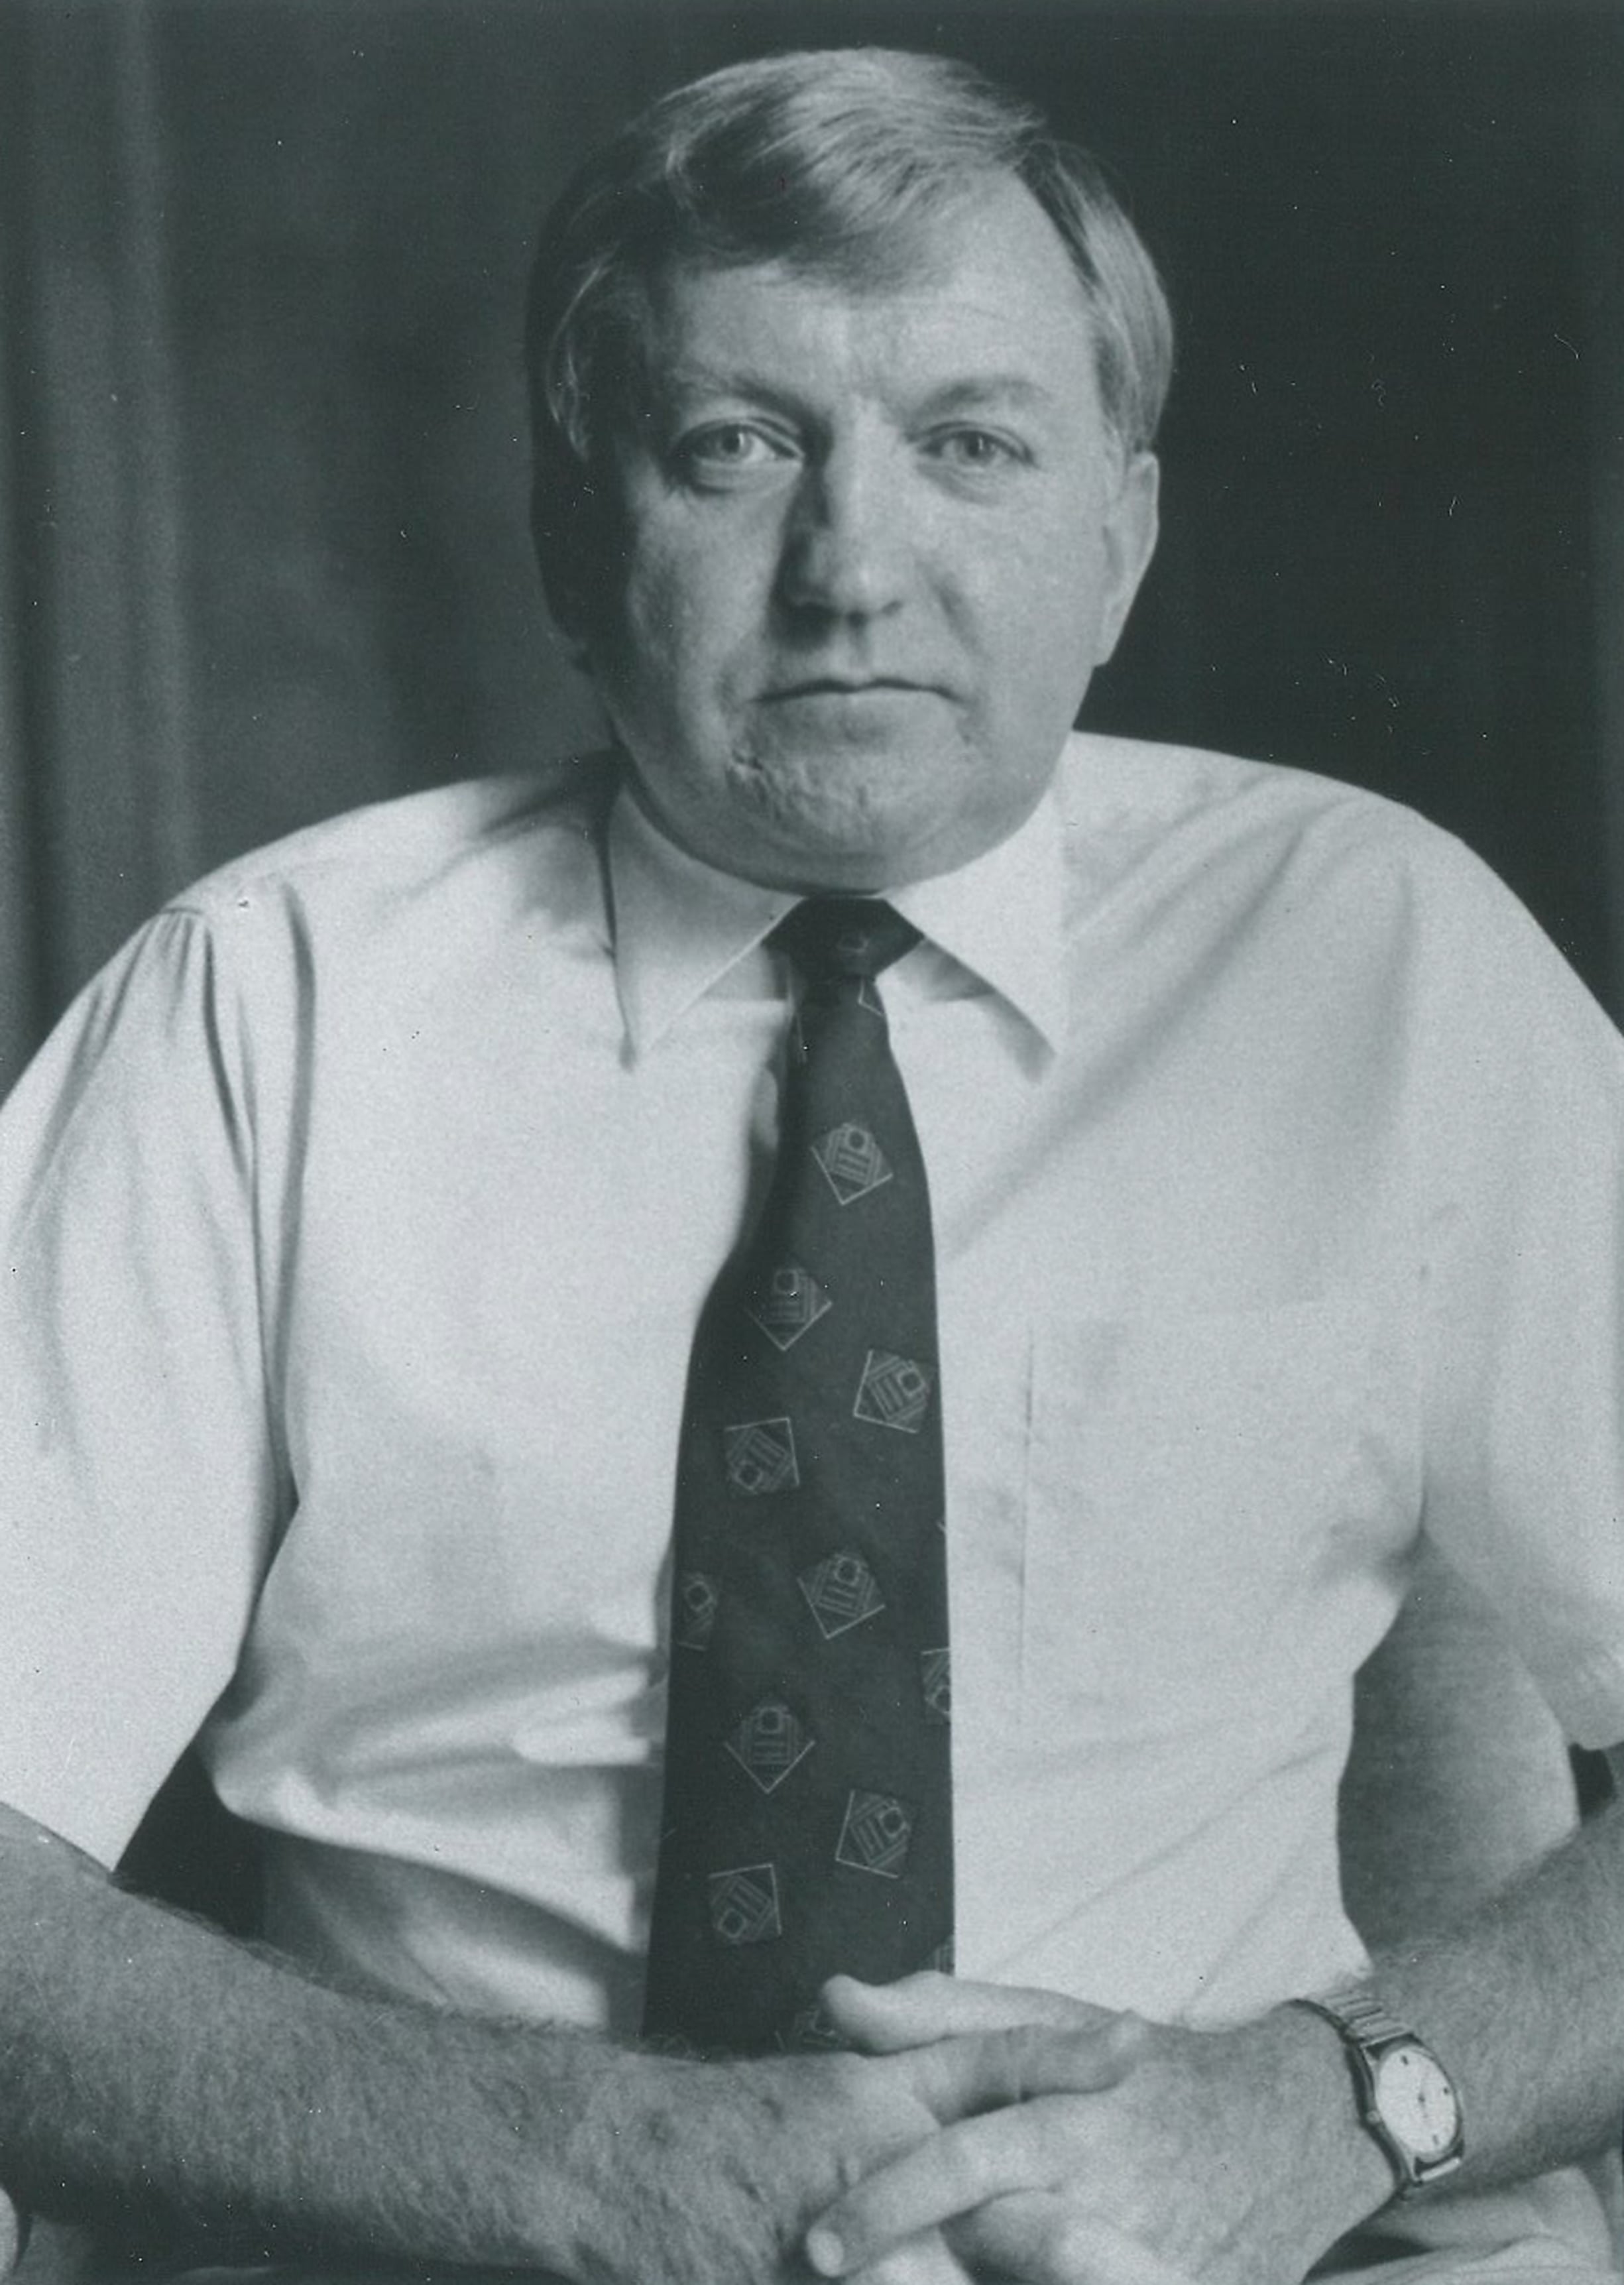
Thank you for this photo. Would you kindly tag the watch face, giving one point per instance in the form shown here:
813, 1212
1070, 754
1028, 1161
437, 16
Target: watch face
1417, 2101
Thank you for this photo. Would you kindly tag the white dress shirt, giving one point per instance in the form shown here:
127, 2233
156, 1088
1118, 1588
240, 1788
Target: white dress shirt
356, 1221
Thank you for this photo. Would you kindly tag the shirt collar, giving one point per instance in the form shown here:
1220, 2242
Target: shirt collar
1002, 917
680, 925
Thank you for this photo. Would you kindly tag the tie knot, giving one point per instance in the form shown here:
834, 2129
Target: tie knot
831, 937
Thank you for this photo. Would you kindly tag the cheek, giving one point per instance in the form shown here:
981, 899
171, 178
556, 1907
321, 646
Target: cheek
1057, 605
693, 591
655, 608
654, 677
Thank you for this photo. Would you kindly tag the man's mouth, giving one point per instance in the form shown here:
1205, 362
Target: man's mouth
839, 686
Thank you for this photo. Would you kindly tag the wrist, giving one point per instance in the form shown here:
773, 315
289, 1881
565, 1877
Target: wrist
1405, 2099
1326, 2159
664, 2172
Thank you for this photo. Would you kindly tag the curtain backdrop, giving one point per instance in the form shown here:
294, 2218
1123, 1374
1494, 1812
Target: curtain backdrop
263, 464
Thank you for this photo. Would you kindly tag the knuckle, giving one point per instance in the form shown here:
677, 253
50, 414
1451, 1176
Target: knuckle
1071, 2252
1006, 2070
1089, 2054
1054, 2145
1074, 2230
846, 2085
849, 2168
976, 2169
1037, 2054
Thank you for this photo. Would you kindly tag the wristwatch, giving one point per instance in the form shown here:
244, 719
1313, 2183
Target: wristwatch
1406, 2097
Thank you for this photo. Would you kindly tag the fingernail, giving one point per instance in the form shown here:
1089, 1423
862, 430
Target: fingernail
825, 2250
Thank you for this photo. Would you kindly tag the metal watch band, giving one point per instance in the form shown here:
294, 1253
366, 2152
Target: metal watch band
1357, 2010
1366, 2030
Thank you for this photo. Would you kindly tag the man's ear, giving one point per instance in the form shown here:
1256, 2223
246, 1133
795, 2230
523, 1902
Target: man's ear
1131, 523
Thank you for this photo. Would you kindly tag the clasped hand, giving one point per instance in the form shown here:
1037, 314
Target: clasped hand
1076, 2147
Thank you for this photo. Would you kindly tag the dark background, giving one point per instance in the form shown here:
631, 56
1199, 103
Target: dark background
264, 470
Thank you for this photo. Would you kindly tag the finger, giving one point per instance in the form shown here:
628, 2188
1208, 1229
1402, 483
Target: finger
962, 2077
950, 2173
884, 2018
881, 2019
926, 2260
1039, 2237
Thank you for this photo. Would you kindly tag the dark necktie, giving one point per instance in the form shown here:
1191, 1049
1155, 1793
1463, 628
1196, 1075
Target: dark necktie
807, 1824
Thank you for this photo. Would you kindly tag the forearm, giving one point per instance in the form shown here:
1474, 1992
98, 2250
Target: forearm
1524, 2005
156, 2078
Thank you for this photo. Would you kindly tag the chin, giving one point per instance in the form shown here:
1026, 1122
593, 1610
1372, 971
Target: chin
847, 853
834, 807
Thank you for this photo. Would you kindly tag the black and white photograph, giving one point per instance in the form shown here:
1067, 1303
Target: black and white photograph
812, 1142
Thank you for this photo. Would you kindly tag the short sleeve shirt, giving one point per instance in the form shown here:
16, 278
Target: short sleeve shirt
354, 1225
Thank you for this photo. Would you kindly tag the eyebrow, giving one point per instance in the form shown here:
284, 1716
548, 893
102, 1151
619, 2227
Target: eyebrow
969, 393
720, 381
1017, 389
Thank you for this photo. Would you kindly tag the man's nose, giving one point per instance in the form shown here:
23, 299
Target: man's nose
846, 545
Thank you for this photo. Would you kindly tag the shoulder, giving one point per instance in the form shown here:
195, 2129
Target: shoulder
1140, 786
1349, 898
535, 833
343, 933
1132, 806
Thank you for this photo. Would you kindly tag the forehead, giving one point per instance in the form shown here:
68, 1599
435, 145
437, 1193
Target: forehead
986, 290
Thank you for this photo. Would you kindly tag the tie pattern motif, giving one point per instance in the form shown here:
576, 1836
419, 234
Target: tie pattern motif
807, 1823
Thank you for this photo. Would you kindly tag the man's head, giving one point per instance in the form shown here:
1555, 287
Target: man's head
844, 375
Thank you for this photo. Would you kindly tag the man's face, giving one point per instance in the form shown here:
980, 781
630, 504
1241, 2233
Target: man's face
877, 540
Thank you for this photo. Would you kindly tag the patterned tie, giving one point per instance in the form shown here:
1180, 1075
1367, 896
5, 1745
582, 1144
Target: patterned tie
808, 1799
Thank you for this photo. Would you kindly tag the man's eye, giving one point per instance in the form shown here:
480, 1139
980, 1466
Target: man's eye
728, 446
977, 449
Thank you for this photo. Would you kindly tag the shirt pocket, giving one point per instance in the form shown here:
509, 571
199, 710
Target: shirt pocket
1210, 1499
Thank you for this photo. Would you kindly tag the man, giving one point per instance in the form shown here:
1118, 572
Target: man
364, 1212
